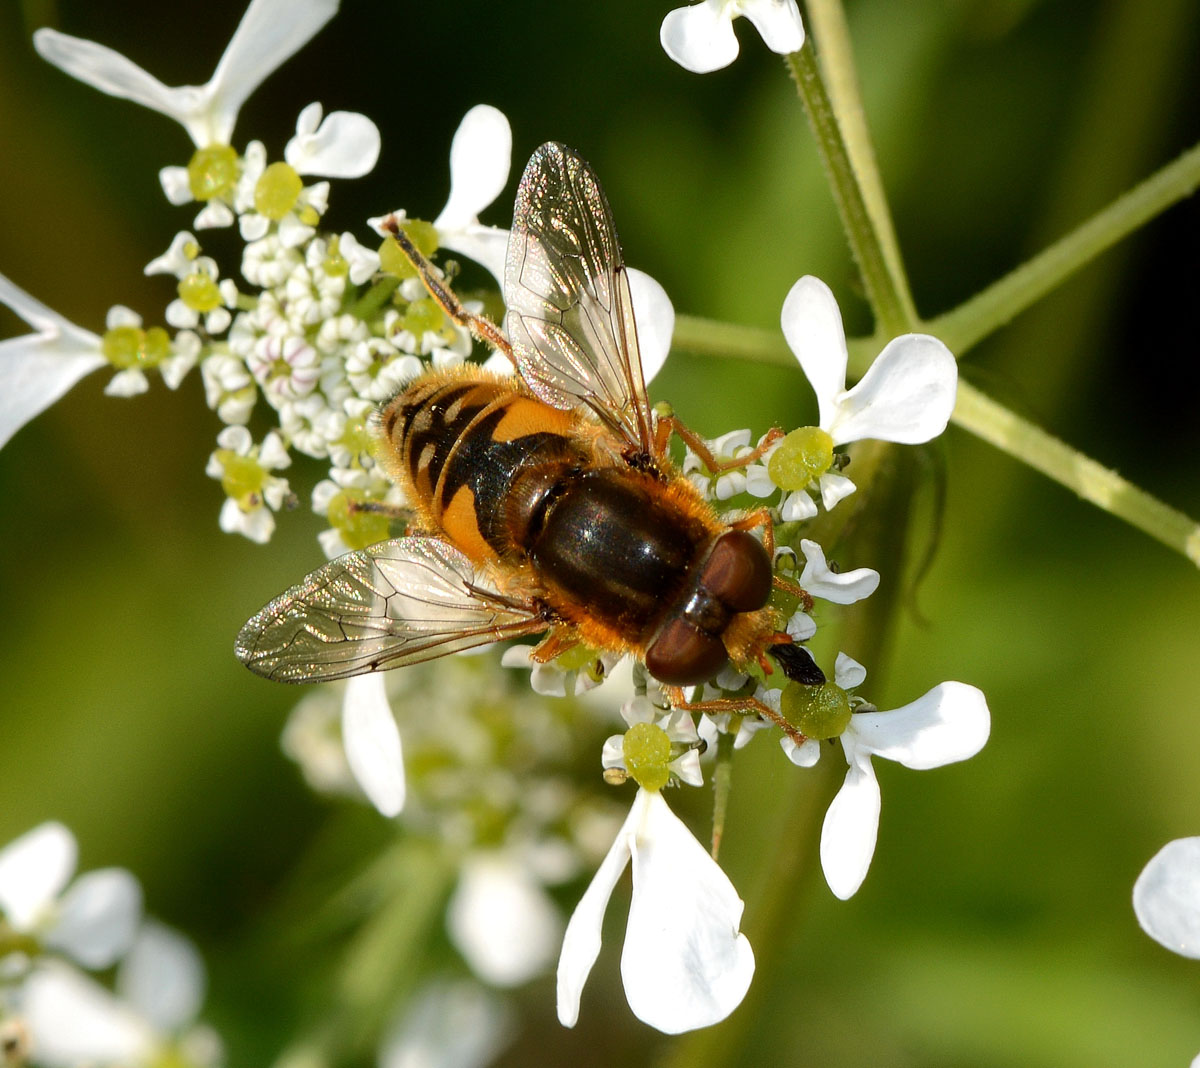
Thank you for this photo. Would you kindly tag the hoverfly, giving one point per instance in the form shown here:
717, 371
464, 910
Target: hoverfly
544, 503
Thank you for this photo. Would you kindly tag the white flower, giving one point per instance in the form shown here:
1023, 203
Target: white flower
1166, 897
38, 368
93, 920
362, 261
684, 965
228, 388
252, 494
906, 395
551, 679
480, 158
270, 32
948, 724
449, 1025
700, 38
344, 144
839, 587
160, 988
285, 365
501, 919
372, 742
267, 262
679, 728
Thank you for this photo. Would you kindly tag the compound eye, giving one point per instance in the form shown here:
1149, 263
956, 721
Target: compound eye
738, 572
681, 655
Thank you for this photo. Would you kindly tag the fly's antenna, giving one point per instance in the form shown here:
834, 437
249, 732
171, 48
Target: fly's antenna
431, 278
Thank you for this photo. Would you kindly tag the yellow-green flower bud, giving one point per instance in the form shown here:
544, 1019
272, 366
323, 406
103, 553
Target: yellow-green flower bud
358, 528
277, 190
816, 711
423, 315
212, 172
131, 346
393, 261
199, 291
647, 752
242, 478
805, 454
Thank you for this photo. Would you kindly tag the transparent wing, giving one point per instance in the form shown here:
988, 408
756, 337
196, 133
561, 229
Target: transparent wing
570, 315
398, 602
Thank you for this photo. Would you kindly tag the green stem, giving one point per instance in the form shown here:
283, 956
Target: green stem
827, 23
995, 424
722, 785
374, 298
984, 313
707, 337
882, 291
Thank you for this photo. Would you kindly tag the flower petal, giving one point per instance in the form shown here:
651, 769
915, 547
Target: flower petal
778, 21
906, 395
98, 917
655, 316
480, 158
73, 1020
581, 942
685, 965
812, 326
949, 723
486, 245
1166, 897
834, 488
839, 587
850, 829
805, 755
700, 38
502, 920
270, 33
33, 870
110, 72
372, 742
163, 977
848, 673
35, 371
345, 145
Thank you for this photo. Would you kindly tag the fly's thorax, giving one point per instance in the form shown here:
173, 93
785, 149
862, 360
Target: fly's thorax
614, 546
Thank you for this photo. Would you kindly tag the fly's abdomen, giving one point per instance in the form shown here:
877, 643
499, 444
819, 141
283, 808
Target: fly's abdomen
462, 440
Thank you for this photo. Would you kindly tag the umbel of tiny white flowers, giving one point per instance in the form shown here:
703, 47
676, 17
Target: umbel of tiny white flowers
948, 724
700, 38
684, 964
92, 920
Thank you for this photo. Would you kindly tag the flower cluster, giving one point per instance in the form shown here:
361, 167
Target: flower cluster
316, 329
53, 930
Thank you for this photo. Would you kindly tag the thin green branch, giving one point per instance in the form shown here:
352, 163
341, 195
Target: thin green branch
889, 307
995, 424
708, 337
984, 313
835, 53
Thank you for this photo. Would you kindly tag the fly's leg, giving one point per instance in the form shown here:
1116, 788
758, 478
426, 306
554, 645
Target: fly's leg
742, 706
669, 424
483, 328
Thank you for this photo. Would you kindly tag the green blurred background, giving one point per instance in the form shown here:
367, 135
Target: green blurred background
995, 928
